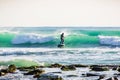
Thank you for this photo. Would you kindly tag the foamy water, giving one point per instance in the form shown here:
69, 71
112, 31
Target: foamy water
64, 56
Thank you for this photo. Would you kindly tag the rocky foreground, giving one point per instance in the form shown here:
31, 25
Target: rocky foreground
61, 72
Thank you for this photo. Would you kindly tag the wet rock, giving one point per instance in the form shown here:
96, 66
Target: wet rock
12, 68
28, 68
112, 78
91, 74
114, 68
99, 68
80, 65
35, 72
36, 76
109, 66
3, 72
117, 74
94, 66
101, 77
68, 68
118, 69
56, 65
41, 66
49, 76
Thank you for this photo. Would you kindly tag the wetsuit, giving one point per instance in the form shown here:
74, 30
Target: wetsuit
62, 38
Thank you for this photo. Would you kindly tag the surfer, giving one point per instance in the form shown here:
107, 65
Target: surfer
62, 38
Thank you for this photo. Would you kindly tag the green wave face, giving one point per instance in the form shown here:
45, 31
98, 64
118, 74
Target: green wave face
76, 38
5, 39
20, 63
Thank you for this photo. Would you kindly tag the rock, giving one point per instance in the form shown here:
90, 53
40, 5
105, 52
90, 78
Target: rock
56, 65
99, 68
117, 74
114, 68
80, 65
68, 68
49, 76
95, 66
28, 68
112, 78
36, 76
101, 77
109, 66
35, 72
12, 68
92, 74
3, 72
118, 69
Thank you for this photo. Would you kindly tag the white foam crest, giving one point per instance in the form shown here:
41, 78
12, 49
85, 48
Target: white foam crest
55, 49
31, 38
65, 31
109, 40
8, 31
22, 51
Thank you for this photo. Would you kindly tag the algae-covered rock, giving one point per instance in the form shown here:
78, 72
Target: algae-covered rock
3, 72
99, 68
80, 65
56, 65
49, 76
34, 72
28, 68
68, 68
12, 68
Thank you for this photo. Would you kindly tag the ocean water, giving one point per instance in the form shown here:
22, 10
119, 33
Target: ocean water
38, 45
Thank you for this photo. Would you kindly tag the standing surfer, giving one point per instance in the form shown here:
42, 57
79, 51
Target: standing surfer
62, 38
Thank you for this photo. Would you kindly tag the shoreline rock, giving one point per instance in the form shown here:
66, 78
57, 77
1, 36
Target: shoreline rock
12, 68
37, 71
92, 74
56, 65
96, 68
50, 76
68, 68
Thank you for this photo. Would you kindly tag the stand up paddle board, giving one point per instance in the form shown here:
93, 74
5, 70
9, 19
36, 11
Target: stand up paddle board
61, 45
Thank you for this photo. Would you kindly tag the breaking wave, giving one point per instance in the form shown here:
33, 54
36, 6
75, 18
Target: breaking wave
78, 38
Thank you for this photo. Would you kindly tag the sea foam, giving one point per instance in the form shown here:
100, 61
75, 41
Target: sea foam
31, 38
109, 40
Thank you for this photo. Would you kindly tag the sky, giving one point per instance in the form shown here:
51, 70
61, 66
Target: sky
25, 13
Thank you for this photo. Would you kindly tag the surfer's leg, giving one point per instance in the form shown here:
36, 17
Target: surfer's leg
62, 41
